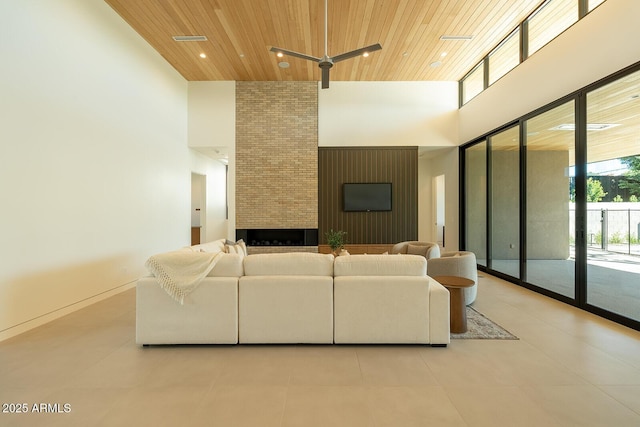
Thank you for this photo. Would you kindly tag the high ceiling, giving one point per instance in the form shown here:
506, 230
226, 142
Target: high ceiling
241, 32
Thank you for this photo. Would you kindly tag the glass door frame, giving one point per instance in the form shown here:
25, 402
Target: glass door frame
580, 104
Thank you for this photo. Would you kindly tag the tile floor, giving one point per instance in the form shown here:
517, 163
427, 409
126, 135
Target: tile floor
569, 368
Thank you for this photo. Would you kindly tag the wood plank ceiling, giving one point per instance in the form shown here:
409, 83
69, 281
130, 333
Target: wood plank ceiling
241, 32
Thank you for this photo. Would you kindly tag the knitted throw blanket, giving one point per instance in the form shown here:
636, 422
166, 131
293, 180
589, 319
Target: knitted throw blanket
180, 272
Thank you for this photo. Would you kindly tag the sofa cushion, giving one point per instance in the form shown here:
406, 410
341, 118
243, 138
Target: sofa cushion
285, 309
289, 264
427, 251
228, 265
215, 246
376, 309
417, 250
380, 265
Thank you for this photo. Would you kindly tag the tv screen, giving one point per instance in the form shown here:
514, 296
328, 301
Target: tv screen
366, 197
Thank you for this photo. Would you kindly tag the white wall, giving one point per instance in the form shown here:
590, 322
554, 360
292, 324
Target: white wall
443, 162
388, 114
602, 43
349, 114
212, 114
94, 164
212, 130
214, 224
423, 114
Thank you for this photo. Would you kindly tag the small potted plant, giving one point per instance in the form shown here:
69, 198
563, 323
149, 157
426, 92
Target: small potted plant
336, 240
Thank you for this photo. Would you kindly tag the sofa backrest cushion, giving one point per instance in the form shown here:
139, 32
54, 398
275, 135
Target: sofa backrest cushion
380, 265
427, 249
215, 246
228, 265
289, 264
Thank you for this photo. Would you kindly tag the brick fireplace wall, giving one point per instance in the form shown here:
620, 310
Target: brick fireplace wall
276, 155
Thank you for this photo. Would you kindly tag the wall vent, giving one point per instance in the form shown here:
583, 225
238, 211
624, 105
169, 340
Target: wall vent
449, 37
190, 38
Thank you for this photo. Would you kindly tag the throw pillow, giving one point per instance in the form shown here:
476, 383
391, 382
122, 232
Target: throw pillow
238, 247
417, 250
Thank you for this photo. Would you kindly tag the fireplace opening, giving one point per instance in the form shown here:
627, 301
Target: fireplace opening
278, 237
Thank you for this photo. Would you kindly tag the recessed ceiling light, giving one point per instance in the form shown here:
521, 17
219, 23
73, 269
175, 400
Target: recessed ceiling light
279, 54
453, 37
435, 64
405, 54
190, 38
590, 126
443, 54
283, 64
242, 55
203, 55
365, 54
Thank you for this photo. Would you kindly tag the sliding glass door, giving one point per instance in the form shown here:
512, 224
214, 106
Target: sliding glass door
476, 201
550, 212
613, 191
504, 188
552, 201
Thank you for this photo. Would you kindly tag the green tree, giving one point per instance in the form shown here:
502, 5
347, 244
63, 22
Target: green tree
618, 198
631, 179
595, 192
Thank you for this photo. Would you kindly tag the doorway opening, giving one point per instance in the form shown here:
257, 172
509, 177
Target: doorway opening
198, 207
439, 210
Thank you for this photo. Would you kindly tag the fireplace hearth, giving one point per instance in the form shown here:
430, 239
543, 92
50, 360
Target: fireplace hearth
278, 237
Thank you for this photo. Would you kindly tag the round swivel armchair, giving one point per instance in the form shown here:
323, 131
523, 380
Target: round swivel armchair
428, 250
457, 263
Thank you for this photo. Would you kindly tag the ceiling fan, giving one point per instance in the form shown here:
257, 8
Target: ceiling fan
326, 62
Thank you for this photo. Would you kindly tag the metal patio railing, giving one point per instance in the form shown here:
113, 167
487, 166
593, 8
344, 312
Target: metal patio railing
614, 230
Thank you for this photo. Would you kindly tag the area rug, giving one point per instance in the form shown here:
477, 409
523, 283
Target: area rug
479, 327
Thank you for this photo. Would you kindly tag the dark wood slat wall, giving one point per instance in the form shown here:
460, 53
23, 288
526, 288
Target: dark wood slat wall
398, 165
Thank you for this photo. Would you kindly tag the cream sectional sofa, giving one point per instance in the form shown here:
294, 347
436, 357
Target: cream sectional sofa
388, 299
286, 298
300, 298
209, 314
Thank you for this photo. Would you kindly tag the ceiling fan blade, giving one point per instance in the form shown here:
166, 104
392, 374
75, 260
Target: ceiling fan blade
325, 78
356, 52
296, 54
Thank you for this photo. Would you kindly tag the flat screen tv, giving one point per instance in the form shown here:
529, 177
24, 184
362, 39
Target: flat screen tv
366, 197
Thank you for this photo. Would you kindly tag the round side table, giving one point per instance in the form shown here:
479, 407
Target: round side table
457, 307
